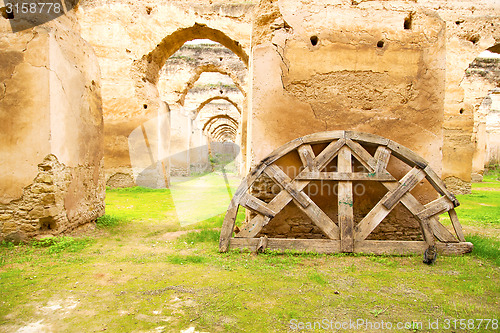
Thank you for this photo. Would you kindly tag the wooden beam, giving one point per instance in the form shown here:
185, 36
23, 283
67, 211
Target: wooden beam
261, 247
408, 247
366, 138
362, 155
456, 225
382, 156
436, 207
407, 183
256, 205
406, 155
282, 179
316, 175
345, 202
328, 154
307, 156
439, 185
333, 246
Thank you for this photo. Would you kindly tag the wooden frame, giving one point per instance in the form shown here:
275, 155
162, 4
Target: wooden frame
344, 235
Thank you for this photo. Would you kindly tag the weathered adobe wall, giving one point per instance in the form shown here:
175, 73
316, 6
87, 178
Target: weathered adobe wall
471, 27
329, 65
51, 172
481, 79
132, 41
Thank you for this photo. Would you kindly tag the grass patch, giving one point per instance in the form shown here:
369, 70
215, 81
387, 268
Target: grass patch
62, 243
207, 235
187, 259
485, 247
480, 207
107, 221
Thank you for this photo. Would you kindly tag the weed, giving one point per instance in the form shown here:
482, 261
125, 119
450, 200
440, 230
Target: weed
188, 259
485, 247
317, 278
107, 221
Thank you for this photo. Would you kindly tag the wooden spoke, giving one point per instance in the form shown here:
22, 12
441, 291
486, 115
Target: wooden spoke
343, 234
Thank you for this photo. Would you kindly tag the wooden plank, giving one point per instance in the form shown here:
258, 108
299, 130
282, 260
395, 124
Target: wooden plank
328, 154
382, 156
322, 137
406, 155
333, 246
281, 244
316, 175
228, 227
323, 221
407, 183
408, 247
366, 138
456, 225
307, 156
282, 179
282, 151
256, 205
345, 203
440, 231
439, 185
438, 206
363, 156
371, 221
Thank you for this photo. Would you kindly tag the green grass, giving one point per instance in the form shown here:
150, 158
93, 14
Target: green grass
144, 271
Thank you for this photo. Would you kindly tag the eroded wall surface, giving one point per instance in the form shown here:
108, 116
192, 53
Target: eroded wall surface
51, 171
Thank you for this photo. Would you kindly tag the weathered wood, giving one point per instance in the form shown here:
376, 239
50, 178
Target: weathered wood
323, 221
307, 156
414, 206
345, 202
282, 179
316, 175
256, 205
282, 151
438, 206
371, 221
382, 156
363, 156
306, 245
227, 227
322, 137
439, 185
328, 154
406, 155
408, 247
407, 183
261, 247
456, 225
366, 138
333, 246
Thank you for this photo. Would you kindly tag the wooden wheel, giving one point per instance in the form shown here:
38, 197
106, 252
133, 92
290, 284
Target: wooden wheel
344, 235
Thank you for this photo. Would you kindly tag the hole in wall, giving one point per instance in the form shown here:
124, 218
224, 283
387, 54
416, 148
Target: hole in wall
408, 22
314, 40
148, 10
145, 106
473, 38
221, 91
7, 15
47, 223
380, 44
461, 110
220, 59
458, 22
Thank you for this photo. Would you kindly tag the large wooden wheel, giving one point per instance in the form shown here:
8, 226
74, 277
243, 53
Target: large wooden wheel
344, 235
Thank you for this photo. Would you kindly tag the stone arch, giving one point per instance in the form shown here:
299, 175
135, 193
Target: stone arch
214, 119
224, 130
150, 64
209, 68
204, 103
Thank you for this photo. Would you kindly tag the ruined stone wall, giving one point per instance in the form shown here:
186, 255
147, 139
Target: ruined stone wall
51, 178
133, 40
